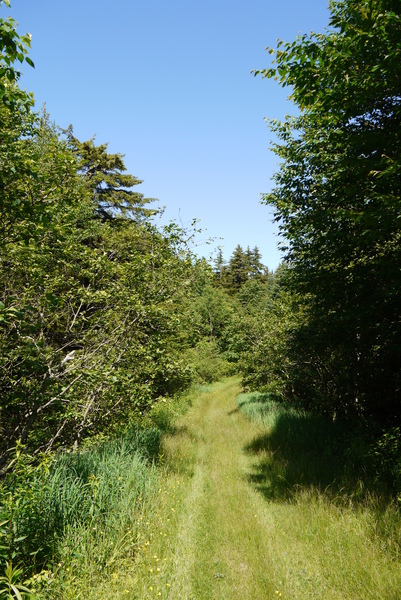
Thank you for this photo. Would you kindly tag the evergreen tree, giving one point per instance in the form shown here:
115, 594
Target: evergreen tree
219, 265
256, 268
238, 269
105, 175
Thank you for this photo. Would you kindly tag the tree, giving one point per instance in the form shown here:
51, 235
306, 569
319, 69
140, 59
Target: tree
105, 176
90, 309
256, 268
238, 269
219, 265
13, 48
337, 200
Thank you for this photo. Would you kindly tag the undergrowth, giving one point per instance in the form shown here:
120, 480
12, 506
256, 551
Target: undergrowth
77, 514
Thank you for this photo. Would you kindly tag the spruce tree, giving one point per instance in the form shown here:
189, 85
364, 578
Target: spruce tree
112, 188
238, 269
256, 268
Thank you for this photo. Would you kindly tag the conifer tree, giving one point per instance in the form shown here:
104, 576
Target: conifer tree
113, 191
256, 268
238, 269
219, 265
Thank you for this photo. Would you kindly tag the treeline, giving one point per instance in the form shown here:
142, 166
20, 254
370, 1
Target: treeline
100, 310
102, 313
98, 306
331, 341
241, 267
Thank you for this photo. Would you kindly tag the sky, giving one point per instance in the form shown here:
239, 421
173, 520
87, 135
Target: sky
168, 84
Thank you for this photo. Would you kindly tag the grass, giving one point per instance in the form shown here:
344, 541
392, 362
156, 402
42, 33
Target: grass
84, 515
340, 534
78, 519
249, 509
239, 499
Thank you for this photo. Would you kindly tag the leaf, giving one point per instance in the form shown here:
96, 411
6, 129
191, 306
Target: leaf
16, 592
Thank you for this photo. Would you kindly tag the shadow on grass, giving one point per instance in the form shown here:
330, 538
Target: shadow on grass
301, 451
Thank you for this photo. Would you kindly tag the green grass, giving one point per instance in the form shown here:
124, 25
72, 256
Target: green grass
249, 509
81, 518
77, 518
238, 497
343, 529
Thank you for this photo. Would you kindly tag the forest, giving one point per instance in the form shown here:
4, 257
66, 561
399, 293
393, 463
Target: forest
110, 323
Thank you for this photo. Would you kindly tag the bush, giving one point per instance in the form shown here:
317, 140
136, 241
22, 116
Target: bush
208, 363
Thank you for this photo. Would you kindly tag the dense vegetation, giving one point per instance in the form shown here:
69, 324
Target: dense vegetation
337, 200
106, 319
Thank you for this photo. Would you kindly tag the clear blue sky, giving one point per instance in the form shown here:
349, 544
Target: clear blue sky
168, 84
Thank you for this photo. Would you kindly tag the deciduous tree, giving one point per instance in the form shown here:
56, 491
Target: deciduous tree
337, 201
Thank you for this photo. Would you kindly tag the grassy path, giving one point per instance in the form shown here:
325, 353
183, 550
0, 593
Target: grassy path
214, 536
221, 550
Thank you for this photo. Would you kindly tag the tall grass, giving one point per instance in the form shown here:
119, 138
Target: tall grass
81, 511
303, 456
72, 519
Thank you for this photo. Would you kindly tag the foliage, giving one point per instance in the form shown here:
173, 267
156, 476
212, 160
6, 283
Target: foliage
91, 309
208, 363
15, 493
337, 201
385, 456
13, 48
266, 334
211, 313
243, 266
107, 181
11, 586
